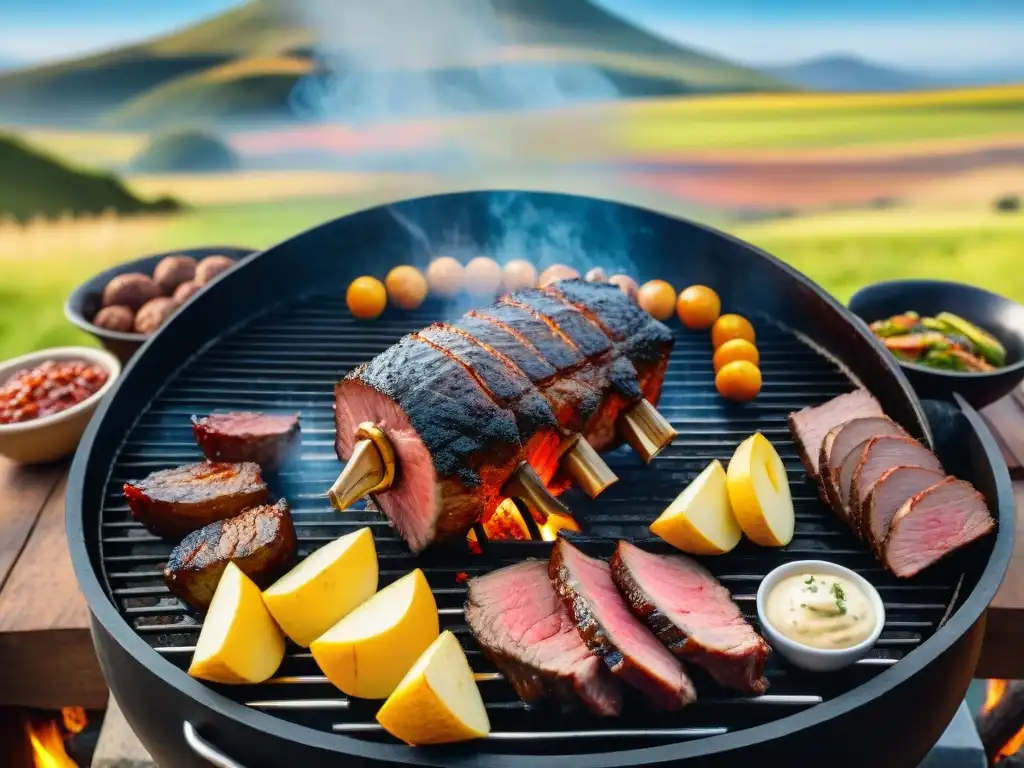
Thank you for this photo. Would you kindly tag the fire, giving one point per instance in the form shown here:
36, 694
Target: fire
507, 523
48, 746
549, 531
74, 718
994, 691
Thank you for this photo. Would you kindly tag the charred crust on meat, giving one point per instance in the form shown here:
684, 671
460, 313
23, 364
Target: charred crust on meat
268, 440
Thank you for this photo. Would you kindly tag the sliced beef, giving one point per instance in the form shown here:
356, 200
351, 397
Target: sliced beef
692, 614
173, 502
645, 341
269, 440
872, 460
933, 524
260, 541
610, 629
538, 427
838, 444
810, 425
523, 627
454, 446
893, 489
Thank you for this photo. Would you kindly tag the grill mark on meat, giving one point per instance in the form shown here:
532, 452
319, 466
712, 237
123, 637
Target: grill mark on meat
933, 524
550, 342
892, 490
266, 439
565, 320
692, 614
837, 446
524, 629
510, 342
173, 502
260, 541
610, 630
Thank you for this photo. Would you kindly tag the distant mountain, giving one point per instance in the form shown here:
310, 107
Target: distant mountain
849, 73
243, 65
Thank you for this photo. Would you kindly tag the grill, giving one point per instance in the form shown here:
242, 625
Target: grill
289, 337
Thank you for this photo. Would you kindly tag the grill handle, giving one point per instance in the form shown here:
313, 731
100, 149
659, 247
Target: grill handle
206, 750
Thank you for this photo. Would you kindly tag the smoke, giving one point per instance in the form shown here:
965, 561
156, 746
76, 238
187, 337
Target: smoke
387, 59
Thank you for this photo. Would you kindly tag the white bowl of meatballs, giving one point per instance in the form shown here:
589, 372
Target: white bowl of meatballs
125, 305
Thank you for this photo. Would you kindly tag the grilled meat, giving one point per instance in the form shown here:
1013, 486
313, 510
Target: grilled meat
268, 440
891, 491
840, 441
174, 502
523, 627
260, 541
934, 523
692, 614
611, 631
810, 425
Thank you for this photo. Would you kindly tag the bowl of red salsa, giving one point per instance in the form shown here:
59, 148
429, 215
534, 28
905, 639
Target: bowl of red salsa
47, 399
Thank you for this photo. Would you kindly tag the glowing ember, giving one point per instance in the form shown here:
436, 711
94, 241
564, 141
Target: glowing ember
994, 691
48, 746
75, 719
507, 523
549, 531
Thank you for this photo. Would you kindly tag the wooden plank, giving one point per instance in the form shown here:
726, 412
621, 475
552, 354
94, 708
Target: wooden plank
23, 491
45, 643
1001, 655
1006, 420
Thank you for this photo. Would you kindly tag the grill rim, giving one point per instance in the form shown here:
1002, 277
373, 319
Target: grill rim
966, 615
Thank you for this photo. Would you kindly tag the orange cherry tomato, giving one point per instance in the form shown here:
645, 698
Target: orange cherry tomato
698, 307
406, 287
518, 274
366, 297
733, 350
557, 272
731, 327
658, 298
445, 276
739, 381
482, 276
626, 284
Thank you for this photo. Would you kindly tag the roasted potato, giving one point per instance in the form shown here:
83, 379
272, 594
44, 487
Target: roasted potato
211, 267
173, 271
116, 318
131, 290
186, 291
154, 314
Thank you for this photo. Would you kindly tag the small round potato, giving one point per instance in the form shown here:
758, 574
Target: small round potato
211, 267
154, 314
173, 271
131, 290
116, 318
186, 291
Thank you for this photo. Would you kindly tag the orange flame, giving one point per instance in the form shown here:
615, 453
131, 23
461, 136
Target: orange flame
507, 523
549, 531
994, 691
48, 746
74, 718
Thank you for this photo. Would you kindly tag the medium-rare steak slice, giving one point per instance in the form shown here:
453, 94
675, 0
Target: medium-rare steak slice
610, 629
538, 428
878, 455
892, 490
933, 524
173, 502
810, 425
645, 341
837, 445
692, 614
266, 439
260, 541
454, 446
523, 627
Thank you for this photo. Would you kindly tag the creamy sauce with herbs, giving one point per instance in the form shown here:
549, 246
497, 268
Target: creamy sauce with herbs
820, 610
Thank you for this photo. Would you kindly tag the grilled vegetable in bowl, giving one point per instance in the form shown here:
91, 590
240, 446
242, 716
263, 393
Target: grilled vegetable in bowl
945, 341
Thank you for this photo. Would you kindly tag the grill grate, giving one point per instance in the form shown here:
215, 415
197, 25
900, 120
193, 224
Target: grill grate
289, 359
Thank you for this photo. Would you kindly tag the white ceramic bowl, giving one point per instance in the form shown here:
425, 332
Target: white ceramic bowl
53, 437
805, 656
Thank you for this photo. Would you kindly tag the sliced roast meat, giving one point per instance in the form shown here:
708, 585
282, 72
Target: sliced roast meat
934, 523
810, 425
173, 502
564, 319
610, 629
893, 489
455, 446
878, 455
552, 346
692, 614
260, 541
838, 444
523, 627
267, 439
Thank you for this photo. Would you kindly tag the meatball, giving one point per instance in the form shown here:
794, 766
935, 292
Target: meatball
212, 266
131, 290
173, 271
154, 314
115, 318
186, 291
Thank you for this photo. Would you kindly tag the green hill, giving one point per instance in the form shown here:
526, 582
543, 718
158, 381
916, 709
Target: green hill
185, 152
32, 184
243, 64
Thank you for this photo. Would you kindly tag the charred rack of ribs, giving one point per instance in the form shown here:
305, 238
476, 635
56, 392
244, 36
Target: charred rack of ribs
515, 400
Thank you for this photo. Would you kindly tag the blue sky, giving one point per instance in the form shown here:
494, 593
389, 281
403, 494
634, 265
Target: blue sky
927, 33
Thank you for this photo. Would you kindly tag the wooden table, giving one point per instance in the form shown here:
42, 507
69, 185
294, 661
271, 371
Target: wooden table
47, 654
